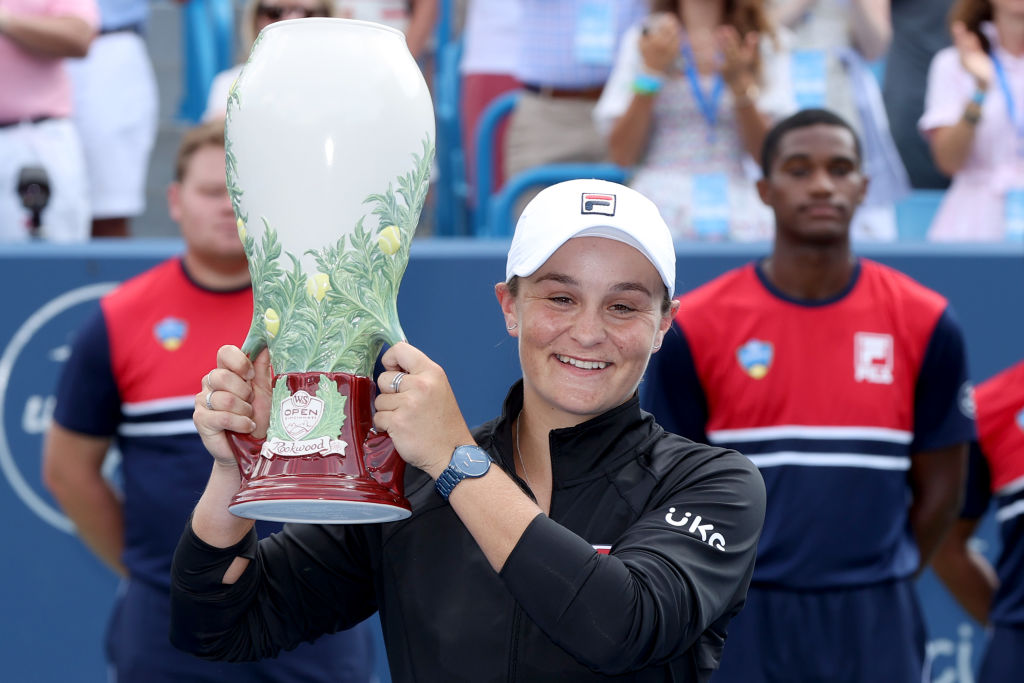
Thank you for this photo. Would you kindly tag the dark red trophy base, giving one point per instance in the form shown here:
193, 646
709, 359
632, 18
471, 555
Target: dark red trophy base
363, 486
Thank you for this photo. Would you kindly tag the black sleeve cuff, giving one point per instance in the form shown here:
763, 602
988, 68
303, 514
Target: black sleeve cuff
198, 567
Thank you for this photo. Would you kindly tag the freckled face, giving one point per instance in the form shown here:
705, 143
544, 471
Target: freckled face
587, 320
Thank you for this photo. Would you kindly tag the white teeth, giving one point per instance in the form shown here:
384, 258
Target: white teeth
584, 364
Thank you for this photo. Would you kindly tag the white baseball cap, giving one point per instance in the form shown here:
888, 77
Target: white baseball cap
590, 208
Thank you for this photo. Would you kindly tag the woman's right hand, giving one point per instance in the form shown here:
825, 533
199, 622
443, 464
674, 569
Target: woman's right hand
659, 42
238, 392
973, 57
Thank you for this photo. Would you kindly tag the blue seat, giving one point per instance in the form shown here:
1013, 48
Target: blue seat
915, 212
499, 212
492, 214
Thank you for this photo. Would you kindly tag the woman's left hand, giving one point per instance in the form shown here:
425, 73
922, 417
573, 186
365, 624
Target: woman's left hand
739, 63
422, 418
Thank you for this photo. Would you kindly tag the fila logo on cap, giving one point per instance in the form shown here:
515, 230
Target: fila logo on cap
603, 204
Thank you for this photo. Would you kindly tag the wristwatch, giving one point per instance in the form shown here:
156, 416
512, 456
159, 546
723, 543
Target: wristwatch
467, 461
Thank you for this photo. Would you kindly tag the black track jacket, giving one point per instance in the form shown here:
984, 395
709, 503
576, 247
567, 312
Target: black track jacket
682, 521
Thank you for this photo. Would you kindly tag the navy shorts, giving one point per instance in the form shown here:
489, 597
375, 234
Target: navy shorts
1004, 656
856, 635
139, 650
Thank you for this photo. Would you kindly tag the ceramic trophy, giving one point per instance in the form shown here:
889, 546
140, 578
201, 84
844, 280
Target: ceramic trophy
329, 142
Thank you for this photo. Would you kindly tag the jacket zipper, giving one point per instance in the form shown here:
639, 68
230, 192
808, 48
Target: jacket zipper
513, 654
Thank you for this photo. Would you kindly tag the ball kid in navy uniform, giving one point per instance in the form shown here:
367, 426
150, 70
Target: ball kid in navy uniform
842, 380
127, 382
996, 474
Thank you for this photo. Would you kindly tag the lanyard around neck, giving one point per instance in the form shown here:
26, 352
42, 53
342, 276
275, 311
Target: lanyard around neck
707, 103
1011, 105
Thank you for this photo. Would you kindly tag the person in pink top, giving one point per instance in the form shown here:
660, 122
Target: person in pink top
37, 138
974, 121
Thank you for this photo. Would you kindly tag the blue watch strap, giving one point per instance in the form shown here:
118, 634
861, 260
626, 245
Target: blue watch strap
445, 484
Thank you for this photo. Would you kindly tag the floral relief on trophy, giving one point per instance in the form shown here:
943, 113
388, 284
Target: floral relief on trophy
337, 318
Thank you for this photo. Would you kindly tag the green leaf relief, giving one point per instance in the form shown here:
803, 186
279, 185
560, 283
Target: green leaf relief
337, 318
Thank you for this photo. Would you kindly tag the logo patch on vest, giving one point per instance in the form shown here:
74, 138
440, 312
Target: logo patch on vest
1020, 419
171, 333
755, 357
872, 357
603, 204
966, 399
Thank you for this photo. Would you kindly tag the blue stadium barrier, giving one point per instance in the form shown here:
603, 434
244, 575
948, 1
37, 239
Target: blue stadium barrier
499, 211
485, 137
451, 189
207, 28
56, 592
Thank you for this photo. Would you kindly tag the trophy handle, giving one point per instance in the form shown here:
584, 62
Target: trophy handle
383, 462
254, 344
247, 452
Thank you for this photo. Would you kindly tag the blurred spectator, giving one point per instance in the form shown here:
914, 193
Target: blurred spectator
489, 52
414, 18
566, 51
115, 111
256, 16
843, 381
39, 147
974, 120
129, 380
996, 474
919, 30
690, 97
833, 41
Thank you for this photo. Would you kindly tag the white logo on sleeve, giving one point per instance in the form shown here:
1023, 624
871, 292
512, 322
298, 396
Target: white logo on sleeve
872, 357
706, 532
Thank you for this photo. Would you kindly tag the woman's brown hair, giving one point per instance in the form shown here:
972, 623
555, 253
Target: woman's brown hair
972, 13
743, 15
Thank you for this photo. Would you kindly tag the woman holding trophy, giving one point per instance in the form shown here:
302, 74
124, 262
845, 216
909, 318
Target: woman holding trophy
571, 538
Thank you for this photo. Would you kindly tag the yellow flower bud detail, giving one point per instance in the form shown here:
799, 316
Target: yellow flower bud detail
317, 286
390, 240
271, 322
241, 229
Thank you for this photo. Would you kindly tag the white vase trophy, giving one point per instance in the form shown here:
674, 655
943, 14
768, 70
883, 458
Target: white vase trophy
329, 141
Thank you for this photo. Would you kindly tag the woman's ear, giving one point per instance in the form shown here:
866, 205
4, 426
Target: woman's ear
665, 324
507, 301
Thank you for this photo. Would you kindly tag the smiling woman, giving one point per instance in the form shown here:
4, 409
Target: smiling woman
544, 545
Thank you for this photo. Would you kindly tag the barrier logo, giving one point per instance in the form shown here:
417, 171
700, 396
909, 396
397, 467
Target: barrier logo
755, 357
170, 332
30, 366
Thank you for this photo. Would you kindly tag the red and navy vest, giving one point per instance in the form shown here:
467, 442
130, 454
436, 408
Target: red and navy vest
829, 399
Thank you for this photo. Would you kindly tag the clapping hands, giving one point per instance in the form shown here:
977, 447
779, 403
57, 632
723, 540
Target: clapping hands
659, 42
973, 57
739, 57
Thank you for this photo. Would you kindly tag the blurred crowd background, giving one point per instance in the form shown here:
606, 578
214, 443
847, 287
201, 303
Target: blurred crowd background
672, 96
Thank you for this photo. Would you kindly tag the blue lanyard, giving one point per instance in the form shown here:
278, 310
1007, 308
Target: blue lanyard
708, 105
1011, 106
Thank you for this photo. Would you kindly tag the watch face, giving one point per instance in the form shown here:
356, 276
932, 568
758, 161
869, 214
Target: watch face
473, 461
